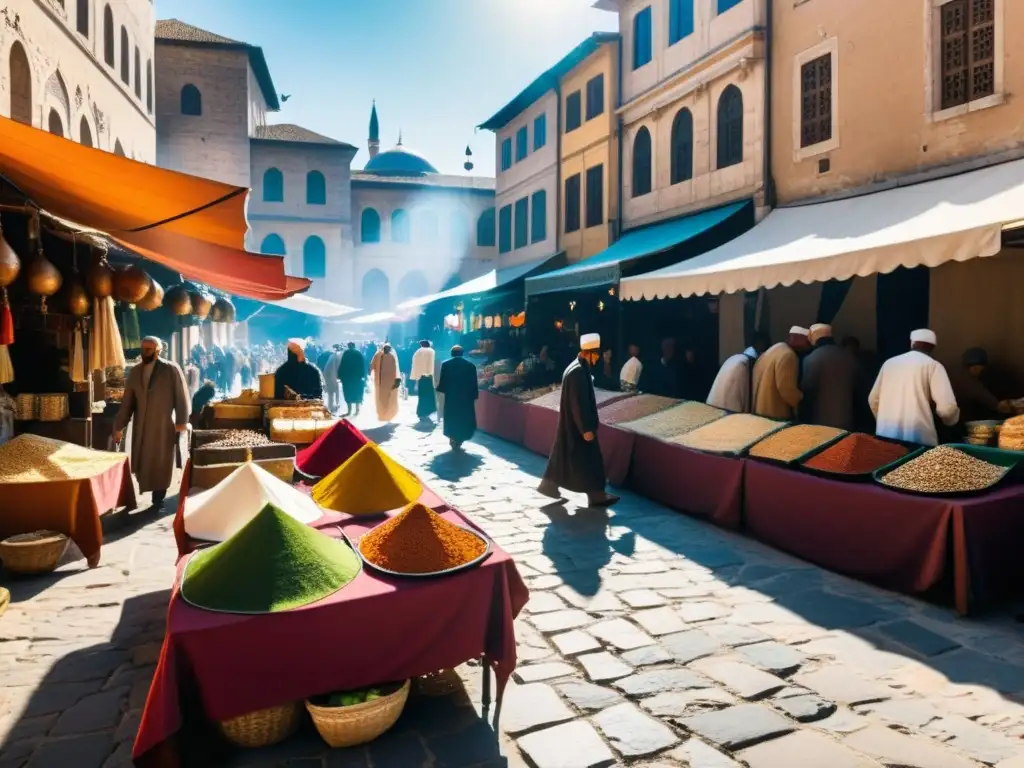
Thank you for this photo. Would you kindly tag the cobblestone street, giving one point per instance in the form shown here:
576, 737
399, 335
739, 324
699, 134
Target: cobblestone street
650, 639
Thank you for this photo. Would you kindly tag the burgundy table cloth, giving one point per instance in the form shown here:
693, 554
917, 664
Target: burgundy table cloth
500, 416
896, 540
699, 484
375, 629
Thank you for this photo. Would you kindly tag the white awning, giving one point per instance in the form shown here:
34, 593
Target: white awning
482, 284
952, 219
309, 305
374, 317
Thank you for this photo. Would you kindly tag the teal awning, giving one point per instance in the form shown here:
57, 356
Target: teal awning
702, 231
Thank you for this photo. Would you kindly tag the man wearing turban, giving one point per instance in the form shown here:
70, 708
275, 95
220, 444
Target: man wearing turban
298, 374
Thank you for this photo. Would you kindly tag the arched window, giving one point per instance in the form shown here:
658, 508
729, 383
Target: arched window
273, 186
138, 73
314, 258
273, 245
369, 226
460, 229
413, 285
400, 226
21, 84
108, 36
149, 86
126, 69
118, 149
682, 146
54, 124
82, 18
485, 229
84, 133
191, 101
642, 163
316, 188
376, 290
730, 127
426, 226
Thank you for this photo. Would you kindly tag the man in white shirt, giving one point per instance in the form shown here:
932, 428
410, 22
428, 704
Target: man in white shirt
423, 374
629, 376
906, 389
731, 388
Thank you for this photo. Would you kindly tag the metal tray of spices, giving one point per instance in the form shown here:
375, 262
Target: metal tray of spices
913, 449
1010, 460
488, 548
737, 453
788, 463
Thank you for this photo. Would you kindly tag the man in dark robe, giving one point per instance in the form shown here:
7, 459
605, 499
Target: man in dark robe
831, 382
301, 377
458, 384
352, 374
576, 463
662, 377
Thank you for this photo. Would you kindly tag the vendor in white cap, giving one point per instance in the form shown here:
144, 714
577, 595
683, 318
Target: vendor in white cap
908, 388
776, 379
297, 374
831, 377
576, 463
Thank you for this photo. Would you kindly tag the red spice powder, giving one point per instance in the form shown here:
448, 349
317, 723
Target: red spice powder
857, 454
418, 540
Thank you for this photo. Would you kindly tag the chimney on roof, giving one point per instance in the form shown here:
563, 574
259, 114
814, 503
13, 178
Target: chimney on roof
373, 143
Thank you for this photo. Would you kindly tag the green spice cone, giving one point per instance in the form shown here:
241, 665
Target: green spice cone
274, 563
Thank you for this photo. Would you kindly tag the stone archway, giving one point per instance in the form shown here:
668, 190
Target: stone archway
376, 291
20, 74
413, 285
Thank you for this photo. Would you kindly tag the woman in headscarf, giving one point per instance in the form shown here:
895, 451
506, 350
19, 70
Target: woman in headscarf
386, 382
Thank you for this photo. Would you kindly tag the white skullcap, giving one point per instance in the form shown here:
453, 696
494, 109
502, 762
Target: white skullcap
590, 341
154, 340
925, 336
820, 331
796, 330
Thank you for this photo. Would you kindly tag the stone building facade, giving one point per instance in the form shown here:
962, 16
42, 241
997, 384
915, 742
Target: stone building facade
81, 69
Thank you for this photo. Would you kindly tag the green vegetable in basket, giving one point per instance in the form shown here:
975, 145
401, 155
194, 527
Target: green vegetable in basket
373, 694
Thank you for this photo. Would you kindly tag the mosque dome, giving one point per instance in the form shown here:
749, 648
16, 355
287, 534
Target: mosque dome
400, 161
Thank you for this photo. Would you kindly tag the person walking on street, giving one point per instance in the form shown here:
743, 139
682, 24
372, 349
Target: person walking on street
422, 372
156, 403
576, 463
457, 383
332, 384
386, 382
352, 373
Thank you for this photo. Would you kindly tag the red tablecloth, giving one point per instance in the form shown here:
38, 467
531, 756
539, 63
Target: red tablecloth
375, 629
696, 483
500, 416
896, 540
72, 507
541, 424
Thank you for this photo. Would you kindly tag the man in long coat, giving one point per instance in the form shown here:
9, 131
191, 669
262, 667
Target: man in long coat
776, 379
830, 382
156, 402
386, 382
458, 386
352, 372
576, 463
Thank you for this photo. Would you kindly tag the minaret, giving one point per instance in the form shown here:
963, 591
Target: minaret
373, 143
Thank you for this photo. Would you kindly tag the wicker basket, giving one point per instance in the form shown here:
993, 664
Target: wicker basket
5, 600
264, 726
26, 407
53, 407
359, 723
233, 411
210, 475
37, 552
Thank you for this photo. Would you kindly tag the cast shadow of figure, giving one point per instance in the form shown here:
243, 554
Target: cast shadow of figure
86, 710
381, 434
581, 542
454, 466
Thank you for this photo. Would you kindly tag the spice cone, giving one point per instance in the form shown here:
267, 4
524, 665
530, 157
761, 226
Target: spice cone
332, 449
273, 564
420, 541
369, 483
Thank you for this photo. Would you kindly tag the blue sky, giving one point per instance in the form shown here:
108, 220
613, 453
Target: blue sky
437, 68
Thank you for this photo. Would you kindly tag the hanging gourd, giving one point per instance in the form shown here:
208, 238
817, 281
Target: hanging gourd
42, 277
202, 303
100, 278
223, 311
153, 299
10, 264
131, 284
178, 301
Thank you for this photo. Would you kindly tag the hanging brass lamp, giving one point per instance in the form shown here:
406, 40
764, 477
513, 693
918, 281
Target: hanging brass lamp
10, 264
131, 284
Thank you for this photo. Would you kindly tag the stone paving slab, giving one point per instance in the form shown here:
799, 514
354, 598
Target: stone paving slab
645, 631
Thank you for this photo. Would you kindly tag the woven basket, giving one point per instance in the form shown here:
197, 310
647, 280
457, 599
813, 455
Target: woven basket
232, 411
26, 407
53, 407
359, 723
264, 726
5, 600
37, 552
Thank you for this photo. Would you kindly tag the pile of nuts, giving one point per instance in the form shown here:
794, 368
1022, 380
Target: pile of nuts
677, 420
944, 470
793, 442
730, 434
240, 438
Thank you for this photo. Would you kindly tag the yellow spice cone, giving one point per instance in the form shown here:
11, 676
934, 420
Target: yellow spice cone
369, 483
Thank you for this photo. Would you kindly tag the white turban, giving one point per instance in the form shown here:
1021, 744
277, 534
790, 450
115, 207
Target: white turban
298, 345
796, 330
820, 331
590, 341
155, 340
925, 336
